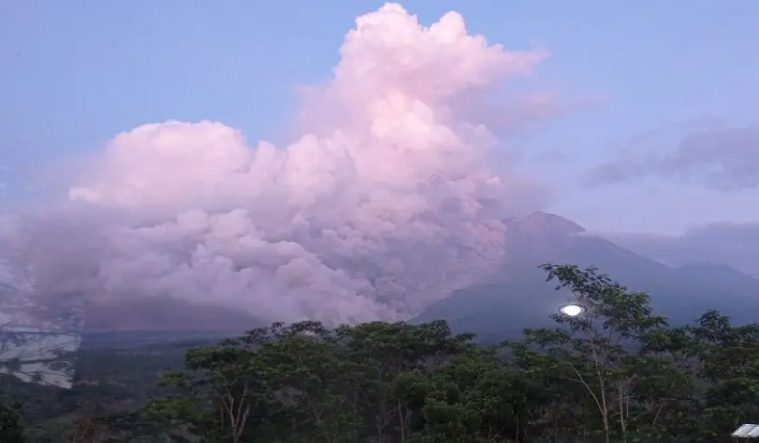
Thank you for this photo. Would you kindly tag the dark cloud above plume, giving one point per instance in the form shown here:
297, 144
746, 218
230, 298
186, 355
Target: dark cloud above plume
718, 158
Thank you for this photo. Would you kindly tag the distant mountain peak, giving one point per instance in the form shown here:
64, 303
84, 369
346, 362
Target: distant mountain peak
544, 224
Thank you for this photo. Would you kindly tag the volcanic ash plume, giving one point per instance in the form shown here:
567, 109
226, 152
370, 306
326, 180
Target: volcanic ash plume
391, 201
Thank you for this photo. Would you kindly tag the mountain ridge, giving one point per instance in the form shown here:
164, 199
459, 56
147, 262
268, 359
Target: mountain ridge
517, 296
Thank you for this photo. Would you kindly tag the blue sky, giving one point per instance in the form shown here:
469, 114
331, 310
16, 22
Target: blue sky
73, 74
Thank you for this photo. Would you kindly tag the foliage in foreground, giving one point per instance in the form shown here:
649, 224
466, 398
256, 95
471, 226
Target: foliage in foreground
617, 373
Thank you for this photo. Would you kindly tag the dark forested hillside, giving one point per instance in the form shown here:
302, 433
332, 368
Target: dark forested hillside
618, 372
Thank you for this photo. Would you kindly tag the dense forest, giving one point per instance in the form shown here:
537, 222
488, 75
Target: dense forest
616, 373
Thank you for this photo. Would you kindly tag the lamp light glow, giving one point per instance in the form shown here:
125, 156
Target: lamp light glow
571, 310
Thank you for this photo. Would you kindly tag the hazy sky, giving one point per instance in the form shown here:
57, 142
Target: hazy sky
74, 74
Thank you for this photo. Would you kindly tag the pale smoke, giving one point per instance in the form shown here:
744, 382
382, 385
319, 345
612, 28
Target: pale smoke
393, 200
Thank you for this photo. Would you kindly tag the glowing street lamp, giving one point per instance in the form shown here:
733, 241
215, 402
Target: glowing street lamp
572, 309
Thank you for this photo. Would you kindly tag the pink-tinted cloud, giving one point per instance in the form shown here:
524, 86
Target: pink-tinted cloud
390, 202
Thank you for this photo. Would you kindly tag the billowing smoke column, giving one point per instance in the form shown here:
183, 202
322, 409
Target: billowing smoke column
392, 200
